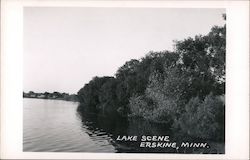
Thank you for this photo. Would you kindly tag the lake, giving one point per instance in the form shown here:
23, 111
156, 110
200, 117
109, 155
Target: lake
58, 126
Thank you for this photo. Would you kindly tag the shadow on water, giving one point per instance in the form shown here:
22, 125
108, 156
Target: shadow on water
111, 127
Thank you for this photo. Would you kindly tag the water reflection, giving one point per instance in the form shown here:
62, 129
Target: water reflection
100, 127
57, 126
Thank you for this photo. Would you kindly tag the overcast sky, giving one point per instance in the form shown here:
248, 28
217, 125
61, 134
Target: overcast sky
65, 47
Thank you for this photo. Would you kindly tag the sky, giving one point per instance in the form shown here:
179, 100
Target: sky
64, 48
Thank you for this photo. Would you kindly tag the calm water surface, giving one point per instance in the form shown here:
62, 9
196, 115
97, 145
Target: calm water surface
54, 125
57, 126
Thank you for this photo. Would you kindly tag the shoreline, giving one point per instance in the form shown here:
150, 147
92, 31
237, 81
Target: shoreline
52, 99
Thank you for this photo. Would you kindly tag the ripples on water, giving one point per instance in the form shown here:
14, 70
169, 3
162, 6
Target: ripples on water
57, 126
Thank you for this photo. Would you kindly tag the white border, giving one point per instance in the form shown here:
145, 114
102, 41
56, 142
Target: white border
237, 78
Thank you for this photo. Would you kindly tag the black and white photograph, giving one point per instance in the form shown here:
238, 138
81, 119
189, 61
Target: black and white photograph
124, 80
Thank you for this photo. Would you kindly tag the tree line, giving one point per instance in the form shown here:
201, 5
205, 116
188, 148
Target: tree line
53, 95
184, 88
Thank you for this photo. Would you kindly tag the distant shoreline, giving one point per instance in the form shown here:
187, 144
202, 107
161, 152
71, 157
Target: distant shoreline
52, 96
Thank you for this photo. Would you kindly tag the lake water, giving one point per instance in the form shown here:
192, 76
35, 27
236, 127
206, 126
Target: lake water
57, 126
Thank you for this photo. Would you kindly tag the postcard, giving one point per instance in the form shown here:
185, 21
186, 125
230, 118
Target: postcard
141, 80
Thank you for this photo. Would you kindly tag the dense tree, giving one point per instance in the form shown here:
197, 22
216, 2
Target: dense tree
107, 97
203, 58
203, 118
89, 94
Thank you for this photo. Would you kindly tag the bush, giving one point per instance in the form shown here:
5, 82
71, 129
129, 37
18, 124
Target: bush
203, 119
139, 107
145, 107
